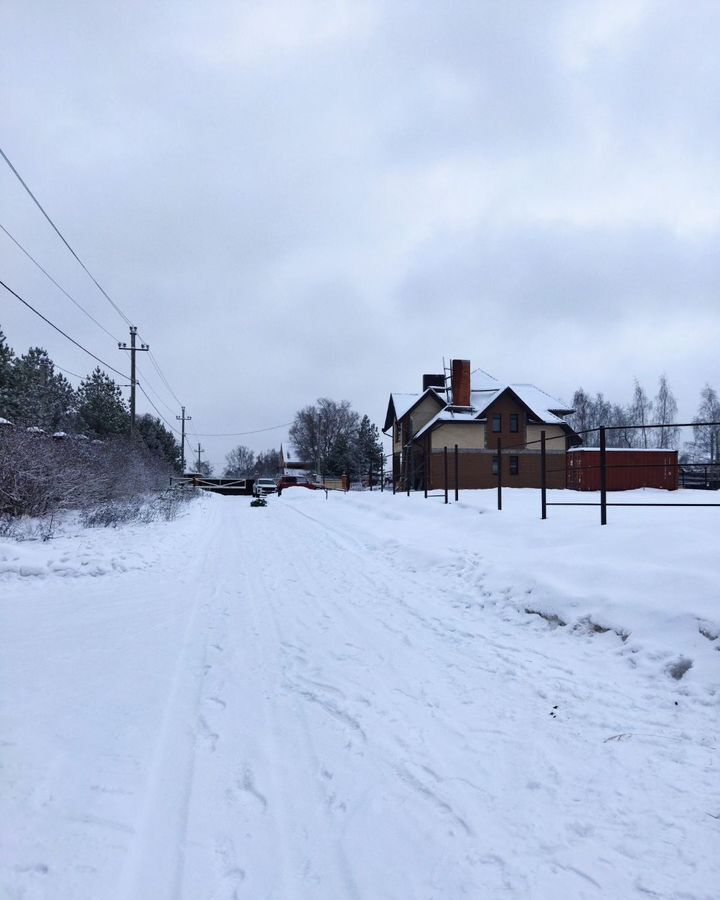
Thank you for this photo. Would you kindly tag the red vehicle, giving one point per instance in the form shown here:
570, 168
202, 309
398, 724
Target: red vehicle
286, 481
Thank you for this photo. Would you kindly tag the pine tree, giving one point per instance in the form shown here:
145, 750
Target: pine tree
100, 405
369, 447
40, 396
158, 439
6, 364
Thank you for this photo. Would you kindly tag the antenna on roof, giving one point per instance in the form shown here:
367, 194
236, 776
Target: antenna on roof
448, 382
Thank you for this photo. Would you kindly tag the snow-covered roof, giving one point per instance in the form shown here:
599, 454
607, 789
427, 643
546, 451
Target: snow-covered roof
5, 421
480, 380
60, 434
290, 455
446, 415
539, 400
620, 450
403, 402
34, 429
484, 390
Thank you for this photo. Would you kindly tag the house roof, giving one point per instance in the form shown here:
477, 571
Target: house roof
484, 390
401, 404
540, 404
446, 415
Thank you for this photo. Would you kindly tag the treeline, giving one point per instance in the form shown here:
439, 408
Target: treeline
241, 462
329, 437
35, 394
65, 448
630, 421
334, 439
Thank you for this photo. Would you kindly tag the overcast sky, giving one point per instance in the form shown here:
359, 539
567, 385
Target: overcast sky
294, 198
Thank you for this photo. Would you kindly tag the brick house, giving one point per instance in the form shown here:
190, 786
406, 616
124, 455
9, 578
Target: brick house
473, 410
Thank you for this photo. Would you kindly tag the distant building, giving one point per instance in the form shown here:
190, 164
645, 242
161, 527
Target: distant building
473, 410
291, 464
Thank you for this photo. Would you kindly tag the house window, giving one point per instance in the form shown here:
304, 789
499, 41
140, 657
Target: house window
514, 465
514, 423
494, 465
497, 423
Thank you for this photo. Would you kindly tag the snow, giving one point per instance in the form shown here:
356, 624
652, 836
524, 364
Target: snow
364, 696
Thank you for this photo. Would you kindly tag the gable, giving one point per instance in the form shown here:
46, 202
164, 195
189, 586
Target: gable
420, 406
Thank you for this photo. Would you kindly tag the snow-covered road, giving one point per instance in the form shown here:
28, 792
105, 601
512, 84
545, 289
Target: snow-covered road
297, 702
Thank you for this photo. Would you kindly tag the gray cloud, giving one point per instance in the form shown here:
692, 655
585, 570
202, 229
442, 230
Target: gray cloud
295, 199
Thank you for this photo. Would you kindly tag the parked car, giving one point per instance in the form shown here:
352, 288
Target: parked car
264, 486
287, 481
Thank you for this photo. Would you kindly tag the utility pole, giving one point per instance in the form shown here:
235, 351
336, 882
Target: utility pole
184, 419
133, 381
199, 451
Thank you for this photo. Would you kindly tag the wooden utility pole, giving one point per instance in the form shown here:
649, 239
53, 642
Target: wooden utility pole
184, 419
133, 380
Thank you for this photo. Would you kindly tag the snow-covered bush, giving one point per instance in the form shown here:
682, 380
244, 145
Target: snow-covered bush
41, 475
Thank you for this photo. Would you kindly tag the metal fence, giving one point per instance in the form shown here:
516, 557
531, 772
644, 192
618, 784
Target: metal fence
696, 475
605, 467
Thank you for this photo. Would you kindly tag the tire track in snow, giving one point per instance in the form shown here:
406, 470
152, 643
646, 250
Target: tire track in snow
155, 864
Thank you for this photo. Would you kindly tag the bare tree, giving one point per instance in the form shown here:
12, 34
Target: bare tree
705, 443
319, 430
665, 412
640, 412
239, 462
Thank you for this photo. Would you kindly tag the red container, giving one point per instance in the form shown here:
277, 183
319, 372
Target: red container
626, 469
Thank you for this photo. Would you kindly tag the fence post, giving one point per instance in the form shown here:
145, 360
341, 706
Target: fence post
457, 495
543, 475
603, 477
426, 462
370, 476
382, 473
445, 459
499, 472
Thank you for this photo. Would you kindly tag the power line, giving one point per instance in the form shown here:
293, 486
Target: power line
67, 371
160, 415
149, 384
82, 264
242, 433
58, 286
52, 325
164, 380
62, 238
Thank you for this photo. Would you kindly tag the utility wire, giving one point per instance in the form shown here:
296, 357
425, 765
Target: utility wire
52, 325
153, 390
68, 372
58, 286
60, 235
164, 380
82, 309
160, 415
82, 264
242, 433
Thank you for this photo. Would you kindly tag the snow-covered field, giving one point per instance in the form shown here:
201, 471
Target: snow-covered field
364, 697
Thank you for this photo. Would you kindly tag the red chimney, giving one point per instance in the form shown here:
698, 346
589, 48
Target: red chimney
461, 382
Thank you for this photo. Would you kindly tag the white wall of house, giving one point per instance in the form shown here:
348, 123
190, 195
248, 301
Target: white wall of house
420, 416
554, 437
470, 436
